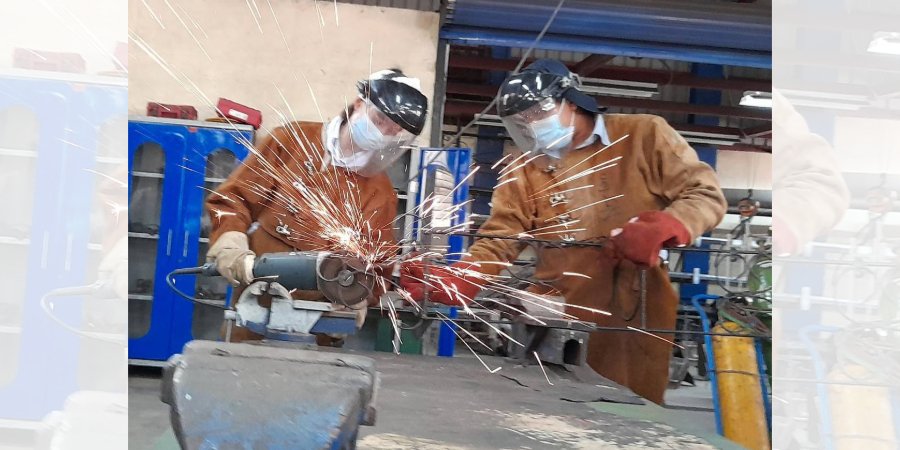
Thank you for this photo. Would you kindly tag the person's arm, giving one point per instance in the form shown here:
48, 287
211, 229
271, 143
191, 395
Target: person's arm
512, 213
689, 185
239, 200
689, 188
812, 194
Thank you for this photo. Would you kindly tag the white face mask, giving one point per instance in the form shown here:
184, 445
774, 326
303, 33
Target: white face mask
373, 150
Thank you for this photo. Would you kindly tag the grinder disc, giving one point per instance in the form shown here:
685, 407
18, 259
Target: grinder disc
342, 283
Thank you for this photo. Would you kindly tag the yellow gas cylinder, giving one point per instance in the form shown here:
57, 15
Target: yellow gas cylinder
861, 416
740, 397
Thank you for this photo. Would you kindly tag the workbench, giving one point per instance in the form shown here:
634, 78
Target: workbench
455, 403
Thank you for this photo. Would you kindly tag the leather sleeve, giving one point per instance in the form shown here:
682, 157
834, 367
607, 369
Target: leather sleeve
677, 175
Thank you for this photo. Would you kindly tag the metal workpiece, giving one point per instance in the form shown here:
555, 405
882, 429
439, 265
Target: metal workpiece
239, 396
288, 319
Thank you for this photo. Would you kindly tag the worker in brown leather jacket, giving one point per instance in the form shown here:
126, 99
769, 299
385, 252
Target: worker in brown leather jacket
319, 187
586, 175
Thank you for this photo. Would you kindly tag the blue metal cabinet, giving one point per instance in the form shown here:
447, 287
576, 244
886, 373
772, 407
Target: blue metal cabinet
50, 133
172, 164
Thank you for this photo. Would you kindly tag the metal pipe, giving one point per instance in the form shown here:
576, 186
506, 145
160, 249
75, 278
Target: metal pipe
704, 277
660, 77
741, 112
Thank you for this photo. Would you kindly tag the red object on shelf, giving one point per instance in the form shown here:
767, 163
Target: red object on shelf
186, 112
239, 113
25, 58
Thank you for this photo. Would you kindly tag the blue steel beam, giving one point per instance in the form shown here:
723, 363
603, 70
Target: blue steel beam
707, 154
722, 25
462, 35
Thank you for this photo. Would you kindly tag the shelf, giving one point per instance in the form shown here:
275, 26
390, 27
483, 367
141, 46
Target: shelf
147, 175
18, 152
213, 301
143, 235
143, 297
10, 330
6, 240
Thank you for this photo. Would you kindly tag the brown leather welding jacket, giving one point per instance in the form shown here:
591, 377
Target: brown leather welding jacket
264, 189
658, 170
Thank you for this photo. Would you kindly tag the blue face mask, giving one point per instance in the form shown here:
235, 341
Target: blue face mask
551, 137
366, 135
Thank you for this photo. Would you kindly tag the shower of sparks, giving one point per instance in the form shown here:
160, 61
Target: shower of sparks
193, 22
326, 209
445, 319
337, 22
510, 180
500, 161
153, 14
255, 15
576, 274
191, 33
278, 26
654, 336
538, 358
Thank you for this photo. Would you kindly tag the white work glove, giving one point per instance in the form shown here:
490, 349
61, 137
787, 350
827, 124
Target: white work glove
233, 257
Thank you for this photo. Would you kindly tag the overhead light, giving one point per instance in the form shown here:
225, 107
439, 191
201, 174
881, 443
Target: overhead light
488, 120
825, 100
698, 137
619, 87
885, 43
757, 99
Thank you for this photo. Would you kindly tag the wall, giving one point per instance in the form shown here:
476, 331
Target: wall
238, 50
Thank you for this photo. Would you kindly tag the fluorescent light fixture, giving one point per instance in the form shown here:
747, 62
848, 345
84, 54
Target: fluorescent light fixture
757, 99
885, 43
619, 87
488, 120
825, 100
698, 137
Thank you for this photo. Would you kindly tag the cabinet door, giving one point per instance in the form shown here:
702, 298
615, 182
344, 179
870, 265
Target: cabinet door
19, 137
213, 155
156, 151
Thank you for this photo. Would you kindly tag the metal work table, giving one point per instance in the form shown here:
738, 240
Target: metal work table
455, 403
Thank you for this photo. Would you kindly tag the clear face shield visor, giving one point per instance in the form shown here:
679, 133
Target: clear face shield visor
376, 139
525, 127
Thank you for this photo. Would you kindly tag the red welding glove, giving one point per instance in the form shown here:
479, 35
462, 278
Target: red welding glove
641, 239
454, 285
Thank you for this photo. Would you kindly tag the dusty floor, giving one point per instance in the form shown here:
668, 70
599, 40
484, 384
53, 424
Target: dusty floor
149, 418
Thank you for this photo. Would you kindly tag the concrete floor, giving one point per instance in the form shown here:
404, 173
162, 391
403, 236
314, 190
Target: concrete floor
149, 418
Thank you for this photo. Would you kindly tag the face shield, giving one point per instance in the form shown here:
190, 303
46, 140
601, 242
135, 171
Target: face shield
538, 129
376, 141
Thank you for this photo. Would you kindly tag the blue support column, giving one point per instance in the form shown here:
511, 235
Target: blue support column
489, 148
707, 154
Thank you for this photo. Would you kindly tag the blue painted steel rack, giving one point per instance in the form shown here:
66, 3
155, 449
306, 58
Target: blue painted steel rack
51, 246
177, 165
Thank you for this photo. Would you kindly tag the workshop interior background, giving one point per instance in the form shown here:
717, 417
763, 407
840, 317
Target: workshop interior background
103, 197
